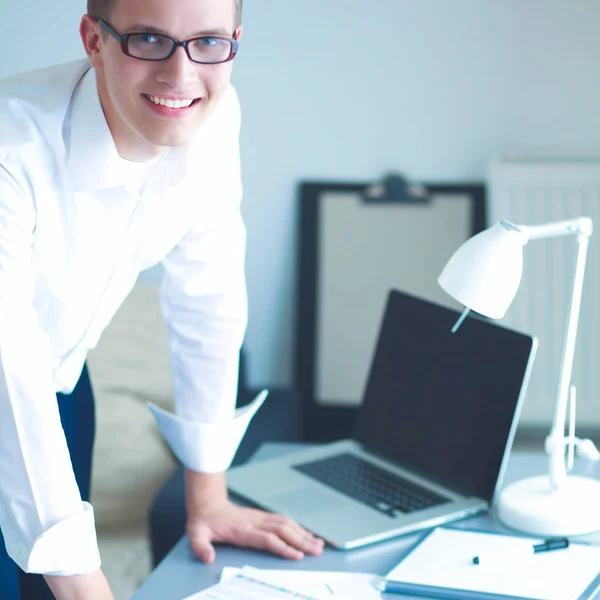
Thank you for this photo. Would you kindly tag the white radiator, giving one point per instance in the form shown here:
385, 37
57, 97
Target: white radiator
529, 191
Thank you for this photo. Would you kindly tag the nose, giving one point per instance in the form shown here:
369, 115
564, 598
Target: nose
177, 71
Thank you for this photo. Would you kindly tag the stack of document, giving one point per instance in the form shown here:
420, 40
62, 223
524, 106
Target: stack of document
274, 584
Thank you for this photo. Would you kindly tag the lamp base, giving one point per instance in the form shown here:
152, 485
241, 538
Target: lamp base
530, 506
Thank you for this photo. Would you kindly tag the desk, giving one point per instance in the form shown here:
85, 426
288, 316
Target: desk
180, 575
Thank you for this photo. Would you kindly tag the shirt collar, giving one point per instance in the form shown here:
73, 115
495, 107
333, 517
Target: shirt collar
94, 163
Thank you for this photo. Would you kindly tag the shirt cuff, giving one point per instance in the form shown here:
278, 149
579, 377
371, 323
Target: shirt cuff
67, 548
206, 447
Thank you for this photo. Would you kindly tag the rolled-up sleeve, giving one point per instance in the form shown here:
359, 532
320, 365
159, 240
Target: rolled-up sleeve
47, 527
204, 303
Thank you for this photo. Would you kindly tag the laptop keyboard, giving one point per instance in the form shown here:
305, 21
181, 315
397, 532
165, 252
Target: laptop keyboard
363, 481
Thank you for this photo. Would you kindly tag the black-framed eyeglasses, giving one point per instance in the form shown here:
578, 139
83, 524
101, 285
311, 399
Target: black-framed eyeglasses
205, 50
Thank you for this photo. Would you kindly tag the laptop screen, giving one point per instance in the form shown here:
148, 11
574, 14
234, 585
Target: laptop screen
443, 403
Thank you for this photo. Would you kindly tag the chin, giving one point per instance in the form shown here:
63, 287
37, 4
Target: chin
163, 133
170, 141
170, 138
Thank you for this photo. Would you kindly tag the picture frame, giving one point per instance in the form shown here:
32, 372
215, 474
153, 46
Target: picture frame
340, 295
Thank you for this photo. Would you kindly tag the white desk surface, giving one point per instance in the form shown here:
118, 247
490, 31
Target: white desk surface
180, 575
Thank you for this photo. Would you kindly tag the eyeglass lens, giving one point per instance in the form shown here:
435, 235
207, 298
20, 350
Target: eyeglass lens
157, 47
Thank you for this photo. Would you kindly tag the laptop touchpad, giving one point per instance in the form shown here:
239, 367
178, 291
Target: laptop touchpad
304, 500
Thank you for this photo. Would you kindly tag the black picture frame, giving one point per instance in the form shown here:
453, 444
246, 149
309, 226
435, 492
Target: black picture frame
324, 423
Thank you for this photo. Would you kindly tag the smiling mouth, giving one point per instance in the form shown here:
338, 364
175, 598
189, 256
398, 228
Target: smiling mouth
170, 103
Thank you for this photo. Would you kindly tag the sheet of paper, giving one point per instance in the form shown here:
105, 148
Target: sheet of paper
308, 585
324, 585
445, 559
244, 587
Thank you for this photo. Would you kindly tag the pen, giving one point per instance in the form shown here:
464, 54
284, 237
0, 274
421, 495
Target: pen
521, 552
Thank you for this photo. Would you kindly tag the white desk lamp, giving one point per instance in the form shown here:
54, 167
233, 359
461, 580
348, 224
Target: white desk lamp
484, 275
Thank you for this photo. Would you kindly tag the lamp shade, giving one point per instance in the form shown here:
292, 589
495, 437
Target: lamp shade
485, 272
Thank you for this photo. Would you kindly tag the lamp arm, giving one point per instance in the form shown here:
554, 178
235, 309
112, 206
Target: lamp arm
581, 226
555, 441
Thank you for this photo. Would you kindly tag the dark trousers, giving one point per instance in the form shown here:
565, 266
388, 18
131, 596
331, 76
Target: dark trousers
78, 421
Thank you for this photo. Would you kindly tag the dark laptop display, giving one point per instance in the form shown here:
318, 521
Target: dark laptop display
461, 389
439, 414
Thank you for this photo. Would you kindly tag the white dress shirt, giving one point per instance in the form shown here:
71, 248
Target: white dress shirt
77, 225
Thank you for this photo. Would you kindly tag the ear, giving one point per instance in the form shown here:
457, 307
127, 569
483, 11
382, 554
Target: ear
238, 33
89, 30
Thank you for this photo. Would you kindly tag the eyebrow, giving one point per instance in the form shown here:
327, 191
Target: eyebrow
145, 28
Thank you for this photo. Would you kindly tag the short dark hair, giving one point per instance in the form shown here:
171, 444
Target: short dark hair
101, 9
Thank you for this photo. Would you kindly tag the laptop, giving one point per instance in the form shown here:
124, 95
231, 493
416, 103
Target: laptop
433, 434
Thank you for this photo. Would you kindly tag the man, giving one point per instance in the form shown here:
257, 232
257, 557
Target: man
105, 171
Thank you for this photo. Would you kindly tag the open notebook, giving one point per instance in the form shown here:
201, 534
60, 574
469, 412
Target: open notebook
444, 561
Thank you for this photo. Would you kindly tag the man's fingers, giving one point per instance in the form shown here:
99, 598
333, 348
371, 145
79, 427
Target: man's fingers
302, 540
274, 519
201, 546
295, 535
267, 540
252, 528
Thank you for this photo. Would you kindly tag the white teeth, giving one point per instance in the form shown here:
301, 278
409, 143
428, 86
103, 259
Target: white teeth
171, 103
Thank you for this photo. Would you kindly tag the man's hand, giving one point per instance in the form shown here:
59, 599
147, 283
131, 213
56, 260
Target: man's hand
250, 528
212, 518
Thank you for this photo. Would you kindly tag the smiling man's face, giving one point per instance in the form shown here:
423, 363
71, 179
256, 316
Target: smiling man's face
130, 88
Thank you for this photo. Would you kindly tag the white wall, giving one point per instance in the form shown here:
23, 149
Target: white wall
348, 89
